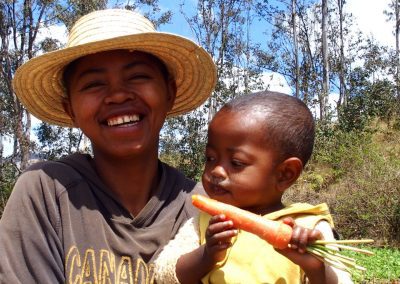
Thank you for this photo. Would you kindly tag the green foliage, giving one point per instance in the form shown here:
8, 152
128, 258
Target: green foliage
382, 267
151, 10
368, 100
360, 183
56, 141
9, 173
183, 143
69, 11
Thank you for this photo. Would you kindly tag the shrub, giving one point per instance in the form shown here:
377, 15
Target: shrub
7, 179
360, 183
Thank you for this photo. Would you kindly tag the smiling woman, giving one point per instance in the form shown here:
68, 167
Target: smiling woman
106, 216
107, 89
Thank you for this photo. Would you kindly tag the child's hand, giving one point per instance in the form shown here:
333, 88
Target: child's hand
218, 237
301, 237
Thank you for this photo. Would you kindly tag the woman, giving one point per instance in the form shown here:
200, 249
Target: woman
104, 218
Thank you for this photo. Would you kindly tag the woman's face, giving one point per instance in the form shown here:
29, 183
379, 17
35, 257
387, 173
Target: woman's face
120, 99
240, 168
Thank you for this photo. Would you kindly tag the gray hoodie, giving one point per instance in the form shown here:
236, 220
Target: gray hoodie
62, 225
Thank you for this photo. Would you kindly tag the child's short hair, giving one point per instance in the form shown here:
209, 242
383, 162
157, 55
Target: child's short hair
289, 125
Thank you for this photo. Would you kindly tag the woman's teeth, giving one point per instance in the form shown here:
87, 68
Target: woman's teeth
123, 120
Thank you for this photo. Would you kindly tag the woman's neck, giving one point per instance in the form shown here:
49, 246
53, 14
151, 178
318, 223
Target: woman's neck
132, 180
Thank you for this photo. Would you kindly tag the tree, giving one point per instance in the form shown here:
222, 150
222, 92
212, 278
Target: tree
394, 14
223, 29
20, 22
342, 83
295, 49
325, 62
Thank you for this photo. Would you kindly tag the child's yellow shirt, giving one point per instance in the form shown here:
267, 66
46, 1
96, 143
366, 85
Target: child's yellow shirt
252, 260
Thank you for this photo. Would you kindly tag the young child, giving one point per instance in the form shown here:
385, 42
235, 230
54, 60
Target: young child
258, 145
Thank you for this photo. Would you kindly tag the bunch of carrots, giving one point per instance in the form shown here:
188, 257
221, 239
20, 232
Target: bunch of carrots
278, 234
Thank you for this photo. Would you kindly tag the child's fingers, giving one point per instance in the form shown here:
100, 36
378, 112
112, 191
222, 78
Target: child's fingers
300, 238
217, 218
288, 221
314, 235
219, 226
221, 240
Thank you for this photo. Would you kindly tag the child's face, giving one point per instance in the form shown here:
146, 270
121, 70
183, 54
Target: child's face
120, 100
240, 168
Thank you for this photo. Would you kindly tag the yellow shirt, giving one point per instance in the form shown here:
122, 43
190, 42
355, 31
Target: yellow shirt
252, 260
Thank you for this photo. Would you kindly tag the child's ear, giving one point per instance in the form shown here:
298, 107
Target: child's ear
288, 172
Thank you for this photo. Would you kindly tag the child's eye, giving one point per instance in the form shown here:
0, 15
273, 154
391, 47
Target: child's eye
238, 163
210, 158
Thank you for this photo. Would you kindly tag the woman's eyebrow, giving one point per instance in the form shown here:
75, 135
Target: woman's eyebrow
135, 64
93, 70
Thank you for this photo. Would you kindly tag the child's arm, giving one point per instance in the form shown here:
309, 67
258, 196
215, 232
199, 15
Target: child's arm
191, 267
315, 270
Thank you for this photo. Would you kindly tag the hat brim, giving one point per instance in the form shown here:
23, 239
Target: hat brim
38, 83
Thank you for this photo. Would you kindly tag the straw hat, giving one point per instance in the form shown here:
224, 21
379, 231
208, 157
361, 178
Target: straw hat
38, 83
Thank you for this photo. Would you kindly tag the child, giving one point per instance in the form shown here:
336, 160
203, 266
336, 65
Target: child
257, 147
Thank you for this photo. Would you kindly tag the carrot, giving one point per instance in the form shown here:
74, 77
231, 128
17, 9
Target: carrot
276, 233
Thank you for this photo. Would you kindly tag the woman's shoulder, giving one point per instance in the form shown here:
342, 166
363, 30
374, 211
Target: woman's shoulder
43, 175
50, 170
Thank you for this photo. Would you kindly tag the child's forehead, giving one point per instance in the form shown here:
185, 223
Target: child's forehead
237, 126
249, 115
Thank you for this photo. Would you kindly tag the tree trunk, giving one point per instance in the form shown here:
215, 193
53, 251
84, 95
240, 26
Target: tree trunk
296, 50
397, 31
325, 64
342, 84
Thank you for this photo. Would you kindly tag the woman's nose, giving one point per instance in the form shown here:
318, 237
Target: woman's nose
118, 94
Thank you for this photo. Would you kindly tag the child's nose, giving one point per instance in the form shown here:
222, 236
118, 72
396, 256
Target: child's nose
219, 172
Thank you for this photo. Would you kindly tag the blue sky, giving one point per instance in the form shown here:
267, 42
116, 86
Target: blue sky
368, 16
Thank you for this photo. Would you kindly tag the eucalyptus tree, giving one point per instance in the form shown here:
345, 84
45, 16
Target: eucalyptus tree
223, 28
393, 14
325, 62
20, 22
294, 45
345, 49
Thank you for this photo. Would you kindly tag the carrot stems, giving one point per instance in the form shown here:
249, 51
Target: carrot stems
363, 241
328, 252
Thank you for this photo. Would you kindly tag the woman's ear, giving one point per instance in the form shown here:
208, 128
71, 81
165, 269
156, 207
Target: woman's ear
288, 172
171, 92
68, 109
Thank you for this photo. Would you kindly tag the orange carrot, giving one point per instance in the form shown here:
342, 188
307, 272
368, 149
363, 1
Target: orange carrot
276, 233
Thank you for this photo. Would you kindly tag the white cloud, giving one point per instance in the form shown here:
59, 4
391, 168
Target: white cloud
57, 32
369, 18
275, 82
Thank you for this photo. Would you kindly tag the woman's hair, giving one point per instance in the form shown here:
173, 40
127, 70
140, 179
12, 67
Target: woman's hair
289, 125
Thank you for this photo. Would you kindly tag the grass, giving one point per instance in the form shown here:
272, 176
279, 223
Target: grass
382, 267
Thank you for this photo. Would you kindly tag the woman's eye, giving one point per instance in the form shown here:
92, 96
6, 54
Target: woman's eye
138, 77
91, 85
